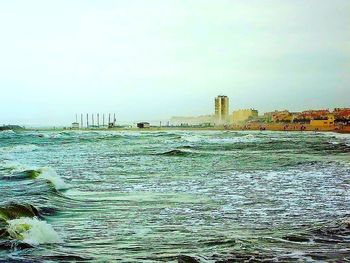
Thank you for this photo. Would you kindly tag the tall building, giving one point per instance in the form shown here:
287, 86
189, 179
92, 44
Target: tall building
221, 108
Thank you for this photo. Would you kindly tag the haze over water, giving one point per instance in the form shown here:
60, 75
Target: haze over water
150, 60
152, 196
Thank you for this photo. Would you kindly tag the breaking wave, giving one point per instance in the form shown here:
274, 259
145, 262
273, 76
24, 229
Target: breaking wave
22, 222
50, 175
32, 231
20, 171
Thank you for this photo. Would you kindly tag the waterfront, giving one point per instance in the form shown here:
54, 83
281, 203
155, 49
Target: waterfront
153, 196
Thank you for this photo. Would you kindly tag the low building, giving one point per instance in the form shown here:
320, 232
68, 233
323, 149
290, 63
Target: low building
244, 115
342, 114
322, 122
268, 116
143, 125
75, 125
282, 116
313, 115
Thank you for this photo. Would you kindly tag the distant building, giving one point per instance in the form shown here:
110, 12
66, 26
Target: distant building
143, 125
193, 121
267, 117
75, 125
309, 115
222, 109
342, 114
329, 121
244, 115
282, 116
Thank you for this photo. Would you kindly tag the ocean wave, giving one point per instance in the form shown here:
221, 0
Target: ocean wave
19, 148
51, 175
192, 138
336, 231
320, 245
219, 140
177, 153
244, 139
14, 166
20, 171
13, 210
32, 231
7, 133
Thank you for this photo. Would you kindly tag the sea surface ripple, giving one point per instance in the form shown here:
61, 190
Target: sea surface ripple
174, 196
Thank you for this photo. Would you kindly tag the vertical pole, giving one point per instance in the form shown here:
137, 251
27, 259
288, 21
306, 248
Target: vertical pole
87, 120
98, 120
93, 120
103, 119
114, 119
81, 120
76, 117
109, 118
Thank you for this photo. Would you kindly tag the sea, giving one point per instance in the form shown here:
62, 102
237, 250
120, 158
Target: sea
174, 196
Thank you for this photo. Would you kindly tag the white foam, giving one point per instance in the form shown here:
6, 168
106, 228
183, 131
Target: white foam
218, 140
192, 138
50, 175
247, 138
32, 231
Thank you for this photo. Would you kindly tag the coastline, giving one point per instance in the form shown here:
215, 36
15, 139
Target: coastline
248, 127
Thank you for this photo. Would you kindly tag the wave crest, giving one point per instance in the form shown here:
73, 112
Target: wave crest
15, 210
176, 153
50, 175
26, 172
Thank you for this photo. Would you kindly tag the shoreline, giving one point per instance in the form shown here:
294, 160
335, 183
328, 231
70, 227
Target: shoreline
254, 127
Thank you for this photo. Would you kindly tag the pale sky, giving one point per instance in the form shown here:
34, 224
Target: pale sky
149, 60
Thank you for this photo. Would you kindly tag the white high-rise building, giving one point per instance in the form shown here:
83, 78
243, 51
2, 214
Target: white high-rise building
222, 109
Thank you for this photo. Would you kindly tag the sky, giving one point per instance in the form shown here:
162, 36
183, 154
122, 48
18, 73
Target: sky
150, 60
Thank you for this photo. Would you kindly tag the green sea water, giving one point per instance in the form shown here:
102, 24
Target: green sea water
174, 196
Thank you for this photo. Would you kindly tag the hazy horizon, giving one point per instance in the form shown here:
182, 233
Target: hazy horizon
150, 60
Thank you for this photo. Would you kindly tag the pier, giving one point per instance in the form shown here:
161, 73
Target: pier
90, 121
